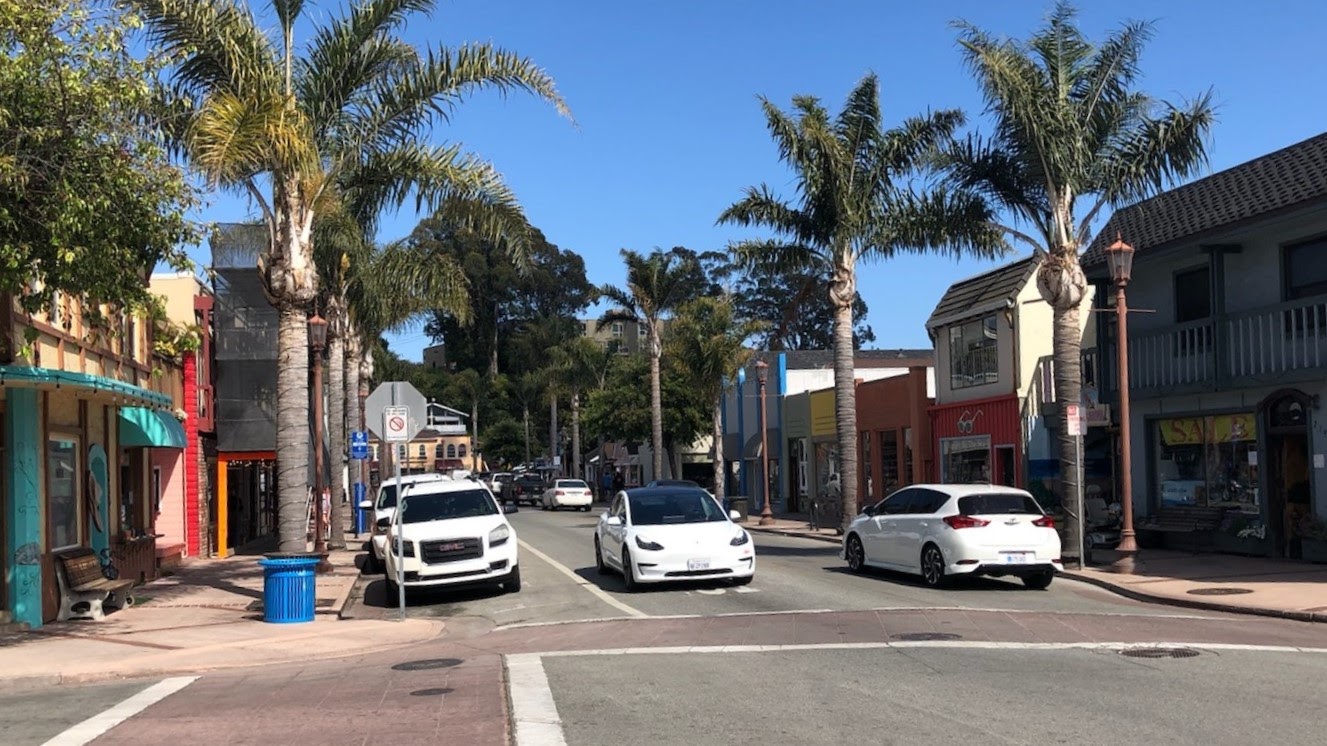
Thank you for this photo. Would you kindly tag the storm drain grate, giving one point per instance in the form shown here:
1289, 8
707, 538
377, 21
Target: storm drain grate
925, 636
1219, 591
1159, 653
427, 664
431, 692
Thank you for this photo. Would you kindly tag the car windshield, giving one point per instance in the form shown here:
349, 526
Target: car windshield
998, 503
387, 495
573, 484
674, 507
441, 506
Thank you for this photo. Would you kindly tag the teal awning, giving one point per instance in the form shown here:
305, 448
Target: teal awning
149, 428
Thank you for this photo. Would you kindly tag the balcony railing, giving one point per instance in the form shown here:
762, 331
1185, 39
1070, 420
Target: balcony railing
1238, 349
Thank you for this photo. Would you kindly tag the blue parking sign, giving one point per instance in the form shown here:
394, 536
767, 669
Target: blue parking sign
359, 444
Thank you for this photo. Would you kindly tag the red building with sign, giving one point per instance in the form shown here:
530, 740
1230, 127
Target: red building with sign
979, 440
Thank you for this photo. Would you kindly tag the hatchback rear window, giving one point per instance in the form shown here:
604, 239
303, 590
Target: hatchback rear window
998, 503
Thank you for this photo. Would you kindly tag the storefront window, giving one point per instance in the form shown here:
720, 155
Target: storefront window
1208, 461
965, 460
868, 466
62, 489
889, 461
827, 470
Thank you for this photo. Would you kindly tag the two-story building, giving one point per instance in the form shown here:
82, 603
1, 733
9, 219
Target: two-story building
993, 341
1228, 350
84, 408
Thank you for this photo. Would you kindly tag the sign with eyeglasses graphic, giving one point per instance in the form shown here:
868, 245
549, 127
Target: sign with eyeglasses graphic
967, 422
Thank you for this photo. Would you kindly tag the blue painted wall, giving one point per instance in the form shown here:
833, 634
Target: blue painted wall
23, 522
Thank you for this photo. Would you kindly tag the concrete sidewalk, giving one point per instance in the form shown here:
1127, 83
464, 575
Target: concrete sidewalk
1214, 582
207, 615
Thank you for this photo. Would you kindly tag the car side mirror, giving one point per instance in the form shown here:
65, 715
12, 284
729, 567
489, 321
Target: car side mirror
384, 522
366, 505
868, 510
734, 516
511, 508
613, 520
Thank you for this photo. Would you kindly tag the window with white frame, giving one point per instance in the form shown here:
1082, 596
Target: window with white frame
974, 358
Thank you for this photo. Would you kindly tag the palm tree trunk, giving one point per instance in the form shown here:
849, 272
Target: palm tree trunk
719, 471
493, 347
553, 429
845, 404
292, 428
576, 435
656, 407
1068, 390
525, 415
475, 462
351, 394
336, 416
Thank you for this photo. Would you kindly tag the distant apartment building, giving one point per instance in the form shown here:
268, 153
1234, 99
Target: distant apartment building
435, 357
627, 337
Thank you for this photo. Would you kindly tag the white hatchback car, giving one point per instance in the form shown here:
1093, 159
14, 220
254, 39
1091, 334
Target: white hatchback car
942, 530
568, 493
672, 534
451, 534
384, 507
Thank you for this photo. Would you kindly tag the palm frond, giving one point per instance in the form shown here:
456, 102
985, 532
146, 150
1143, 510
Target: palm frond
218, 45
940, 221
1159, 151
778, 256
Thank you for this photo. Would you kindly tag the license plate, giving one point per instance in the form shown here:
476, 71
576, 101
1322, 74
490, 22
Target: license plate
1017, 558
698, 564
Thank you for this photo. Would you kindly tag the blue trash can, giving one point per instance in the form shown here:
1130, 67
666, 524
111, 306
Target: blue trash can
289, 587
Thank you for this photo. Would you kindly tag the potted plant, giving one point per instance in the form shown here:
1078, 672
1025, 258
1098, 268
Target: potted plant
1313, 539
1241, 533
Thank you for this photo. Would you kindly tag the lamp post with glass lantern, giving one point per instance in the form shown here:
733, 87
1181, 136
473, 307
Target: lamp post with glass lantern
762, 376
318, 343
1119, 256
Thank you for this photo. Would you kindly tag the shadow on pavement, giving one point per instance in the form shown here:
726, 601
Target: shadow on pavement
442, 602
612, 583
956, 583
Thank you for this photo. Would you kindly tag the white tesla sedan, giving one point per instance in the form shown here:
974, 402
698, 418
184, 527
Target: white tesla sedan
656, 535
942, 530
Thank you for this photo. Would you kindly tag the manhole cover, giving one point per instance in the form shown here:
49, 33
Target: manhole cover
925, 636
1219, 591
1159, 653
431, 692
425, 665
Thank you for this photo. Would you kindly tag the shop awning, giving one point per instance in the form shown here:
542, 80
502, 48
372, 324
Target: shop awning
149, 428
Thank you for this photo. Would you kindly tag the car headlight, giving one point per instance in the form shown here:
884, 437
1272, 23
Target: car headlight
408, 551
498, 536
741, 538
648, 545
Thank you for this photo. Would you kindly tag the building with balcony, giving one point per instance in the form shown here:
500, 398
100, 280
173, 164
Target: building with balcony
1228, 348
993, 344
626, 337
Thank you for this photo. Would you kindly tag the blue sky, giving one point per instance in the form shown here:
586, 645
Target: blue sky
668, 129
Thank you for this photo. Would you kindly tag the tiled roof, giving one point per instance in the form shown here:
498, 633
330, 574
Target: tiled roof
824, 359
982, 293
1287, 179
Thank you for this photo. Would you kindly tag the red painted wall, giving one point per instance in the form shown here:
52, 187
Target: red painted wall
998, 417
191, 513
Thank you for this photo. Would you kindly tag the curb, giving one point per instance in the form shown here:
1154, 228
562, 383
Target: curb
1298, 616
795, 533
339, 605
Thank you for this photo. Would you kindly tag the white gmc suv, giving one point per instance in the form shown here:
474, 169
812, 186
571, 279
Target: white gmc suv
448, 534
384, 507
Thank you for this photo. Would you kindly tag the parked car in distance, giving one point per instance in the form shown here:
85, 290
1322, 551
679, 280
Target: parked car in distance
940, 531
567, 493
383, 507
451, 534
496, 482
662, 534
524, 488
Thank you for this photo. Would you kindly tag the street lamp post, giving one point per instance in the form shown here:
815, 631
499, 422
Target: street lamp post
1120, 257
317, 343
762, 376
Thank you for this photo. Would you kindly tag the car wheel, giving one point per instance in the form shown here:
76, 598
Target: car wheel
856, 555
599, 558
513, 582
628, 574
1039, 581
585, 509
371, 564
393, 592
933, 566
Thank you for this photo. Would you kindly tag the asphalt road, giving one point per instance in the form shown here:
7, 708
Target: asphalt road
792, 574
33, 717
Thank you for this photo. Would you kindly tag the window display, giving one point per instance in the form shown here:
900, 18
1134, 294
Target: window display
889, 476
1208, 461
965, 460
62, 472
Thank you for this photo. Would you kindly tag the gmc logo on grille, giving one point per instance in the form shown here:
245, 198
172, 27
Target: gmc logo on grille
452, 547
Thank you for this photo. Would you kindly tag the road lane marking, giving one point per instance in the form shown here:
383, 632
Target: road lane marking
661, 617
534, 714
97, 725
587, 585
956, 644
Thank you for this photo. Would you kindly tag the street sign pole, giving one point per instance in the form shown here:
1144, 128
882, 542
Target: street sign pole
1074, 421
394, 412
400, 540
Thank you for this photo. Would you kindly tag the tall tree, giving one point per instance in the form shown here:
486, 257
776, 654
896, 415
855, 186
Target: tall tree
856, 201
708, 335
89, 200
285, 125
1070, 131
576, 365
656, 285
797, 309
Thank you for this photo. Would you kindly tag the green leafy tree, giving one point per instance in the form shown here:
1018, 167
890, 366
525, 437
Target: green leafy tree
343, 122
857, 201
1071, 136
89, 200
796, 309
656, 285
622, 409
709, 336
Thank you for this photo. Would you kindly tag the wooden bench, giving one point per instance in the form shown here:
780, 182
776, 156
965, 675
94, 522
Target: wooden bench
1186, 525
84, 589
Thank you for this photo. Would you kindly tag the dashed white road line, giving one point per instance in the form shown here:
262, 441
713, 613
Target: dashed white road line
534, 714
587, 585
97, 725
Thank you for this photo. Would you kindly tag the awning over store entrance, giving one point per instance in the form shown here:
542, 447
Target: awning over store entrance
149, 428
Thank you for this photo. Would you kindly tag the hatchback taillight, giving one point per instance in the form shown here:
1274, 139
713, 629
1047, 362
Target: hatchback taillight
559, 493
1045, 522
964, 521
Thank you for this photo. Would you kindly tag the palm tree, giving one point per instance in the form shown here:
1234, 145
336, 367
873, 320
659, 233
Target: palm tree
710, 337
474, 387
577, 365
288, 127
1069, 126
856, 202
656, 285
